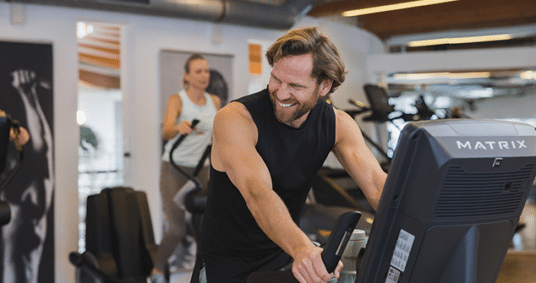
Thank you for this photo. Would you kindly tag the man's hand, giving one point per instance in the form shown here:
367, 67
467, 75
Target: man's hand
308, 266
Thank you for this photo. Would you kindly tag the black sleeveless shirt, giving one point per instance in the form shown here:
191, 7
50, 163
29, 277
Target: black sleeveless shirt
232, 243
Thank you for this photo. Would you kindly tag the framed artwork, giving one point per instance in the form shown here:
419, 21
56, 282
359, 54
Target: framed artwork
26, 94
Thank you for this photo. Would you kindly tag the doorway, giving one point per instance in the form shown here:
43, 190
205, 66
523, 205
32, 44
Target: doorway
99, 115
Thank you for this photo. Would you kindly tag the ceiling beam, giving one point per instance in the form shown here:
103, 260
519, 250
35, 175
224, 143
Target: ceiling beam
101, 80
99, 61
337, 7
114, 52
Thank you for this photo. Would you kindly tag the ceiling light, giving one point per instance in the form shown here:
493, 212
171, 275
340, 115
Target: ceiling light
527, 75
459, 40
81, 117
476, 93
444, 75
393, 7
83, 29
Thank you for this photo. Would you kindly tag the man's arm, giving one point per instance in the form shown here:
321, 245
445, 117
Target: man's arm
235, 137
357, 159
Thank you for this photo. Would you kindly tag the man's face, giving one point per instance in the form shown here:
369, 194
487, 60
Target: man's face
292, 89
199, 75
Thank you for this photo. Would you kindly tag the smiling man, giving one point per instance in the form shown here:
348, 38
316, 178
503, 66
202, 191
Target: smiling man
267, 149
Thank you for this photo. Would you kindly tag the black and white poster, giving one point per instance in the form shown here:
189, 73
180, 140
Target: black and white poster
27, 246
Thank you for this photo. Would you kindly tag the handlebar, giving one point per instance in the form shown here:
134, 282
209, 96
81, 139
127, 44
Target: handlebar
174, 146
331, 254
338, 239
182, 137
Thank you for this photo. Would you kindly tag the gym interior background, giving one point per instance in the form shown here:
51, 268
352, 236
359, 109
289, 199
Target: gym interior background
106, 63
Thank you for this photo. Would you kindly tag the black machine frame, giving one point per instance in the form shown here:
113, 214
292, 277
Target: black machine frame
451, 202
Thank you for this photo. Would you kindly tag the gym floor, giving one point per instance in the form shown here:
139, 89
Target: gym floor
519, 265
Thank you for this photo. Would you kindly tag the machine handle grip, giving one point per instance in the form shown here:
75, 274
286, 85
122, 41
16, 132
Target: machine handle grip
331, 255
339, 238
182, 137
194, 122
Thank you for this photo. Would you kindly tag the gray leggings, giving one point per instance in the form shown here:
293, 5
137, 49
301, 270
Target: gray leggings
171, 180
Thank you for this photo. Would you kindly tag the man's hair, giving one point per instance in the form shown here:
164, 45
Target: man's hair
327, 64
192, 57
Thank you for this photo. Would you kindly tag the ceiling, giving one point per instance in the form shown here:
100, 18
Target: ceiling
99, 51
457, 15
452, 19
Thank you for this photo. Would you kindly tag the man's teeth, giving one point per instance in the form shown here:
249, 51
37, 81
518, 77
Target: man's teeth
286, 105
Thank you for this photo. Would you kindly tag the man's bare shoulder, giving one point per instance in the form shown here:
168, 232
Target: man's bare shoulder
232, 111
234, 118
343, 119
345, 125
234, 134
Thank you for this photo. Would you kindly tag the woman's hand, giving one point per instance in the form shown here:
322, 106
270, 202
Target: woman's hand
185, 127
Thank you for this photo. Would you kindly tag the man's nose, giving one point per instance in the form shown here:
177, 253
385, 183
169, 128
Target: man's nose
284, 92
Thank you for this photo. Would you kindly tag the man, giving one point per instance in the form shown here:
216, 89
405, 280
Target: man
266, 151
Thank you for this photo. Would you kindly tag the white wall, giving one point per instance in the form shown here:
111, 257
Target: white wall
475, 59
520, 107
142, 39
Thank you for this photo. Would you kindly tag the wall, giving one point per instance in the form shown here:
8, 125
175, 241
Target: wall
520, 107
497, 58
143, 37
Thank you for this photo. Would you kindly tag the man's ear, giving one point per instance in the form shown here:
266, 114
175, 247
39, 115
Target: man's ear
325, 87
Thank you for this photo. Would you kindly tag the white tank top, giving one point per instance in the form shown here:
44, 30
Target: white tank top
191, 149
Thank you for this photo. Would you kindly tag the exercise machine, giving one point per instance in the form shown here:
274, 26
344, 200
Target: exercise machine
451, 202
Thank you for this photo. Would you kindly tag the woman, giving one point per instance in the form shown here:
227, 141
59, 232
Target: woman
193, 102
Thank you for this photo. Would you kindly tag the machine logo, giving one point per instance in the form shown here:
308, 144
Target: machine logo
491, 145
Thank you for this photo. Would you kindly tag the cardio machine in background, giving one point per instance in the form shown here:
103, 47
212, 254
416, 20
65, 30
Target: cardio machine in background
334, 186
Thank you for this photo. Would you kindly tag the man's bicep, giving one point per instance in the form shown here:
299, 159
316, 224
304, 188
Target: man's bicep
235, 152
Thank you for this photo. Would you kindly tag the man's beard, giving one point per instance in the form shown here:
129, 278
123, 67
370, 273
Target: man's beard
301, 108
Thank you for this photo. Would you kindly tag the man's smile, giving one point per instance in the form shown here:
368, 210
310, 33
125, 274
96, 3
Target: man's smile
286, 105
